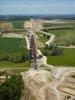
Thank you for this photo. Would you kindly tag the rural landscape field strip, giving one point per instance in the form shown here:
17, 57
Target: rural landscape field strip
67, 59
65, 36
12, 44
13, 47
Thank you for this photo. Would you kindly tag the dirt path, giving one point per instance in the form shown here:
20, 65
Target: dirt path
12, 35
28, 44
52, 37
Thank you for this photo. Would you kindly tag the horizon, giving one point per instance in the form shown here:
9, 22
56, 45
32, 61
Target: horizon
40, 7
36, 14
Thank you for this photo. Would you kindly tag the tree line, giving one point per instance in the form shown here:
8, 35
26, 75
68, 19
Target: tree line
52, 50
20, 58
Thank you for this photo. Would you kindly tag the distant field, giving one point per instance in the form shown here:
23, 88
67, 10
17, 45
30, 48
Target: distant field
17, 24
64, 32
64, 24
64, 37
67, 59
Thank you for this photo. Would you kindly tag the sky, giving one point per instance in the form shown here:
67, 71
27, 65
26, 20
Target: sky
28, 7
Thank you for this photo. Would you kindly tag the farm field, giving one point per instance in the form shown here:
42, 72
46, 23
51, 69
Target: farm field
67, 59
12, 45
65, 23
11, 65
12, 26
17, 24
12, 48
64, 32
64, 37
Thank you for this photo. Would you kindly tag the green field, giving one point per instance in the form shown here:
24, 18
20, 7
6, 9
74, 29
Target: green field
11, 65
12, 45
18, 24
64, 37
67, 59
65, 33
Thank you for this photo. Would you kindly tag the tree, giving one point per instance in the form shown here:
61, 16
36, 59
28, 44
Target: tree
56, 51
52, 50
12, 88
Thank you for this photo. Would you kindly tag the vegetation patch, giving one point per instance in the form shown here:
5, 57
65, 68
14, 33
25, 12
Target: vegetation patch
66, 59
12, 88
12, 44
13, 52
42, 37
